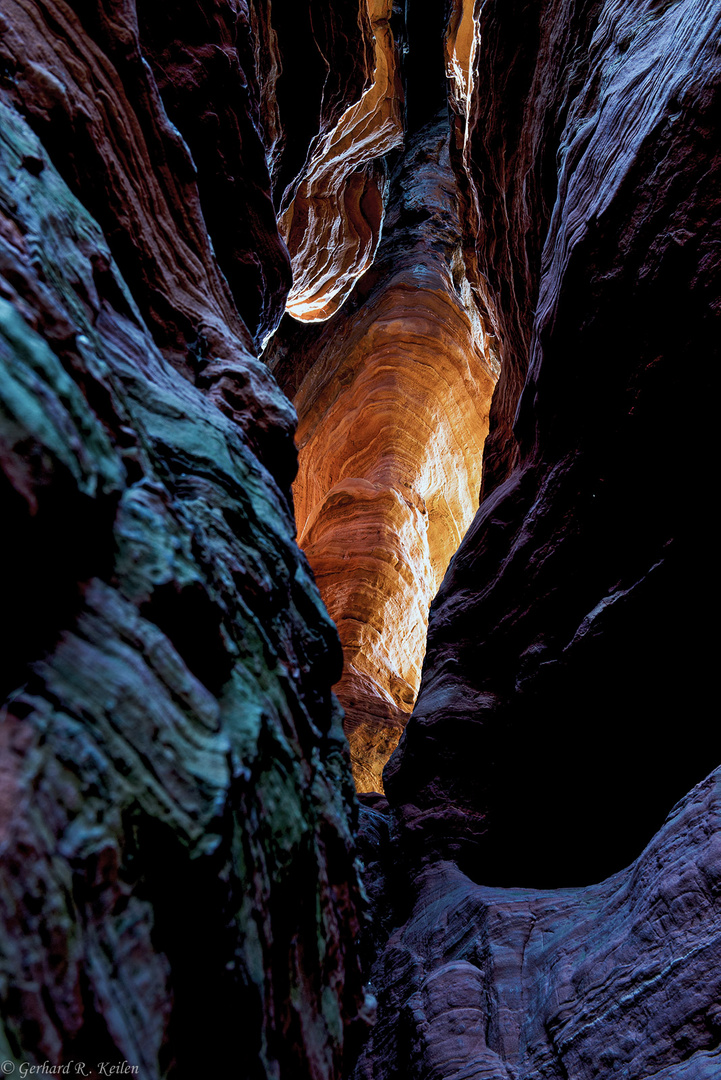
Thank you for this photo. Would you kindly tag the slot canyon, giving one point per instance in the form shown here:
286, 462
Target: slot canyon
356, 460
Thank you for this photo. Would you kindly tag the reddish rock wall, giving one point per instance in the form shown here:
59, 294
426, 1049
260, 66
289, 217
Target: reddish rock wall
177, 883
178, 880
563, 702
333, 224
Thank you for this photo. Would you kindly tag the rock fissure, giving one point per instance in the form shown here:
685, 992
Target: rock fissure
476, 244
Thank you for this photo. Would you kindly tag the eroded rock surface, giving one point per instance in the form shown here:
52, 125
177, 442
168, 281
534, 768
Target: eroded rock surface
179, 874
333, 224
393, 396
568, 633
562, 709
177, 885
622, 979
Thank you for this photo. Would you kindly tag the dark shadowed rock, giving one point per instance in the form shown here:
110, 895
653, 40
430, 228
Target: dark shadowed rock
181, 849
621, 979
567, 645
178, 886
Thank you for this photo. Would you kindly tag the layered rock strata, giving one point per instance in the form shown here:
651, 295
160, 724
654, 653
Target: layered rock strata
179, 876
568, 633
621, 979
333, 224
177, 881
562, 708
393, 397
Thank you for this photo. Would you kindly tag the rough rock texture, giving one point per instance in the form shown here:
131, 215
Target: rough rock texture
563, 706
177, 881
178, 874
316, 61
392, 396
333, 224
206, 64
569, 631
621, 979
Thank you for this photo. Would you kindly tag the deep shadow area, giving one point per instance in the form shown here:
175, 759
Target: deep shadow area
46, 557
593, 756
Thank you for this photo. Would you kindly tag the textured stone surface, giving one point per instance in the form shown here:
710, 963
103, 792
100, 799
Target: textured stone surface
569, 631
177, 882
212, 71
393, 396
618, 980
178, 879
563, 706
333, 223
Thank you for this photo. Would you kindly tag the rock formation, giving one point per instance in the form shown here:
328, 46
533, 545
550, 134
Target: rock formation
393, 395
471, 191
555, 652
177, 885
333, 223
619, 979
563, 706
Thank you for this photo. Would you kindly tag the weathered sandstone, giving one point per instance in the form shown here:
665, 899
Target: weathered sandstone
392, 396
563, 706
177, 878
333, 224
621, 979
180, 842
568, 633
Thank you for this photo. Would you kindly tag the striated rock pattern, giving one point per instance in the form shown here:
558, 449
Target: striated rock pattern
333, 224
568, 632
315, 61
563, 706
621, 979
209, 72
178, 867
177, 874
393, 397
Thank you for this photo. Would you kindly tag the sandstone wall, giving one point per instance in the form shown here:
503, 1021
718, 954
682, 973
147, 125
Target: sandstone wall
567, 640
393, 395
177, 884
555, 915
178, 877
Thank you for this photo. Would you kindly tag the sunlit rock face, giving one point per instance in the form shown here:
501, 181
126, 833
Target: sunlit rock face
393, 397
568, 632
333, 223
177, 879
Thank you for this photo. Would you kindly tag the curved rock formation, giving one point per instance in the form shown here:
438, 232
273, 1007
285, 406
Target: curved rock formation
178, 867
393, 412
555, 653
617, 980
562, 708
333, 224
177, 878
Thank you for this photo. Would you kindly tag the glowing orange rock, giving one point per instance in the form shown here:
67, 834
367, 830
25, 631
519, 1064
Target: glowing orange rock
393, 413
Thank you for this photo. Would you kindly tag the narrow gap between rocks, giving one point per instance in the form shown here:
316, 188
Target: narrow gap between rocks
394, 386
